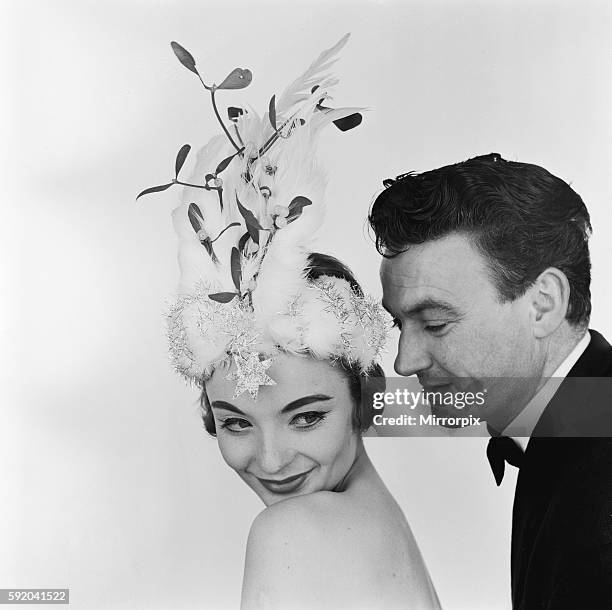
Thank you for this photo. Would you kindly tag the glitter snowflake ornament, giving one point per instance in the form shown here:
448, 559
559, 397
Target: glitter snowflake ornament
250, 373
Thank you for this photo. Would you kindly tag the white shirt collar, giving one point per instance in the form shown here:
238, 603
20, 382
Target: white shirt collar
522, 426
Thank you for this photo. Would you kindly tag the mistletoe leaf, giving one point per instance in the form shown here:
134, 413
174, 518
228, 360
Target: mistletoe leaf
243, 241
272, 112
233, 113
296, 207
348, 122
195, 217
222, 297
223, 165
248, 216
235, 267
180, 158
184, 56
238, 78
154, 189
252, 224
253, 234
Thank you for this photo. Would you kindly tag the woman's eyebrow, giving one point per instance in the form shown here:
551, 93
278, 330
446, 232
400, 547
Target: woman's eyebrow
221, 404
305, 400
292, 406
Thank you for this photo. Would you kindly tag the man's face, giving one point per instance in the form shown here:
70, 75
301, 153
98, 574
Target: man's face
454, 325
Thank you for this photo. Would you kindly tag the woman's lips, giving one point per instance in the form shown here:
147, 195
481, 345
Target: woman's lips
285, 486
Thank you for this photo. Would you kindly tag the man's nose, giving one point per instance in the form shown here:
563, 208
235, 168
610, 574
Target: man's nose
273, 454
412, 354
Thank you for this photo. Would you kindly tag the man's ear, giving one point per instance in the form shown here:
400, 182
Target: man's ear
549, 300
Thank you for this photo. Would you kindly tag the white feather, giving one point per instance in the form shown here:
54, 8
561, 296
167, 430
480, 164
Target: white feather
321, 119
194, 262
300, 88
283, 268
250, 266
207, 160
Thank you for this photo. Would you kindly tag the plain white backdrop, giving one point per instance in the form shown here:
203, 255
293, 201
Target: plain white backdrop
108, 483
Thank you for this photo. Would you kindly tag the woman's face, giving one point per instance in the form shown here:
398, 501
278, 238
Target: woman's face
296, 438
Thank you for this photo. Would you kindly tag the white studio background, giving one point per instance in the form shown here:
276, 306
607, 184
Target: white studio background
109, 485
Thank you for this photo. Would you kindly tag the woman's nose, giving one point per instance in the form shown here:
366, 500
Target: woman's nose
412, 354
273, 453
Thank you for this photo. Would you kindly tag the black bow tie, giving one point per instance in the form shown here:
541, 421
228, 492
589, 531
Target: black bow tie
502, 449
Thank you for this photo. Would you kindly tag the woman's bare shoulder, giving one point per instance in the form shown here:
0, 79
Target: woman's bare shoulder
295, 543
326, 550
299, 521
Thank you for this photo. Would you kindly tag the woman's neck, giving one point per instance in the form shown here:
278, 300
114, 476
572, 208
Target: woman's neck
360, 469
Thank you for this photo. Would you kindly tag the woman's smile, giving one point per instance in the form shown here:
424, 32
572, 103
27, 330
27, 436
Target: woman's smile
286, 485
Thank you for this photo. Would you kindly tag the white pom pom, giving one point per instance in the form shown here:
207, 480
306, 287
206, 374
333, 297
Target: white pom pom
202, 337
322, 329
286, 332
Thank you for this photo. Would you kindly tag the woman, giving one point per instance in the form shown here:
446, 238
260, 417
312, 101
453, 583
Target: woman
280, 340
332, 535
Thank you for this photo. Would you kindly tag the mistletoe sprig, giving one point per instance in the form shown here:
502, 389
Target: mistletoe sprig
217, 183
196, 218
290, 213
238, 78
249, 244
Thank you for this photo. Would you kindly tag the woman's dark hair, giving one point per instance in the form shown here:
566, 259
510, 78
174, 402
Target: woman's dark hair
520, 217
362, 384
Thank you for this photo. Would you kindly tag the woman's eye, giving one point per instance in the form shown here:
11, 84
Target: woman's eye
235, 424
308, 419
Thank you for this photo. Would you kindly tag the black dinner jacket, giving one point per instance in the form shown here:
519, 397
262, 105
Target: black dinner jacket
562, 516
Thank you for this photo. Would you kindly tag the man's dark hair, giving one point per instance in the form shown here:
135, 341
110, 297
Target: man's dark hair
520, 217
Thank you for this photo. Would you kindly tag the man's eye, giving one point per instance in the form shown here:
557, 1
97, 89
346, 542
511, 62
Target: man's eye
308, 419
436, 328
397, 323
235, 424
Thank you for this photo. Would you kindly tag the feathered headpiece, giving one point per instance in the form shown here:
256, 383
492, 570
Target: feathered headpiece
244, 237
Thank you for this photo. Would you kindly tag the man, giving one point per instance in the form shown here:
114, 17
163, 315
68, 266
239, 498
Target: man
486, 271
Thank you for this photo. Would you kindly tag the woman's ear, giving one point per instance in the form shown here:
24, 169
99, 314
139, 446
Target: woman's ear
372, 383
549, 300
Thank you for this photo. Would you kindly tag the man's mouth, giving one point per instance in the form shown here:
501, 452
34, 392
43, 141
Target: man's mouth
436, 387
287, 485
